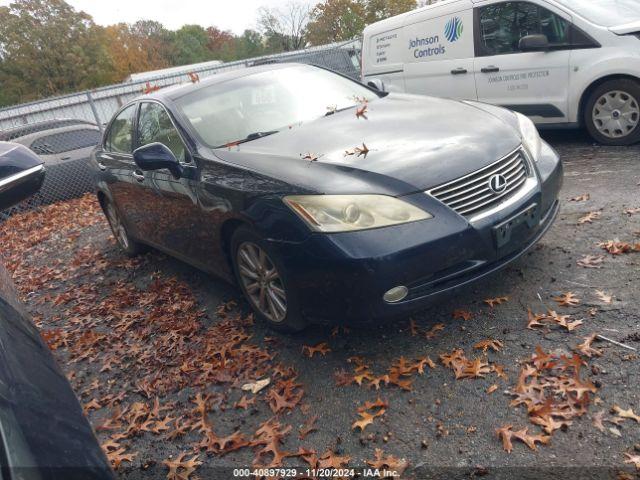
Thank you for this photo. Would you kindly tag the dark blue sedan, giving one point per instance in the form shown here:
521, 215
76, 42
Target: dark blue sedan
324, 199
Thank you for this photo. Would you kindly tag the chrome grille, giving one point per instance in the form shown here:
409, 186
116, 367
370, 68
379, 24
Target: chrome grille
472, 194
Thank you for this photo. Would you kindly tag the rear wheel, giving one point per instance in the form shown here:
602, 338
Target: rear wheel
612, 112
125, 242
263, 281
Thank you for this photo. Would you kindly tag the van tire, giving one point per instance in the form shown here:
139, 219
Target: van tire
617, 90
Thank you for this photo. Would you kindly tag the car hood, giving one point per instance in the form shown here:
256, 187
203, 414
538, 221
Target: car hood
626, 28
414, 143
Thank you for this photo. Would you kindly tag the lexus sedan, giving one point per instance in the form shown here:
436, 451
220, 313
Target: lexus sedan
324, 199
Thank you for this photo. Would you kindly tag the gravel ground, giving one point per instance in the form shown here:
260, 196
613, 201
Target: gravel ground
152, 331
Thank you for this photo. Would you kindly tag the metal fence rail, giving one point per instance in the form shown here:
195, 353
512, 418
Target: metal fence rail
69, 176
100, 104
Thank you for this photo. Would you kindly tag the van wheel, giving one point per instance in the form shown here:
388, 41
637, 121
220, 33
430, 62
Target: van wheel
612, 113
128, 245
264, 283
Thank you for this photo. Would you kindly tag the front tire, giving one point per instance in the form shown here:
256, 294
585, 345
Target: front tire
127, 244
612, 113
263, 281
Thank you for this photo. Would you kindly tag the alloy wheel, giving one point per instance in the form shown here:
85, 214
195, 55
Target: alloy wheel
616, 114
262, 281
116, 226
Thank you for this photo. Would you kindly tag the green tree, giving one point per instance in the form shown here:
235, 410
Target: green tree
190, 44
336, 20
48, 48
249, 44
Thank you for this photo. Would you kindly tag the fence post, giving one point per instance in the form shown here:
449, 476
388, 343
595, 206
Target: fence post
94, 110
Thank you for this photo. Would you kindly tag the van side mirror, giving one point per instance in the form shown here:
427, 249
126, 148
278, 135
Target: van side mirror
377, 84
534, 43
156, 156
21, 174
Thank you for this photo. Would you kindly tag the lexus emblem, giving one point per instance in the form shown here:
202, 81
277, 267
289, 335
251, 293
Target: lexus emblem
498, 183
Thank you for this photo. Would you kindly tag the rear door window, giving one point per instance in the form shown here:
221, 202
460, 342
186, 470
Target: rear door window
66, 141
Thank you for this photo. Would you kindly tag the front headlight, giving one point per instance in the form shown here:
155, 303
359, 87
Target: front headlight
530, 136
344, 213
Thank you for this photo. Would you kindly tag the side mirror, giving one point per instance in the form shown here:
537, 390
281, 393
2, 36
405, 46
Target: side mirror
534, 43
21, 174
156, 156
377, 84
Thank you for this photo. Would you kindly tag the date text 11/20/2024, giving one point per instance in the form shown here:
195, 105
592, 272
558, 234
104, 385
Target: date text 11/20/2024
334, 473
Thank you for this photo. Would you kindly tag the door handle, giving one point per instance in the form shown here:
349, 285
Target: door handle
459, 71
102, 166
490, 69
138, 175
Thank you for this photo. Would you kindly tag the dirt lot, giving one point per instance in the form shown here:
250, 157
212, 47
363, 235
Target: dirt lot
158, 352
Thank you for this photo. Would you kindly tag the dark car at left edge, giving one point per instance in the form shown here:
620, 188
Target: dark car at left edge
44, 434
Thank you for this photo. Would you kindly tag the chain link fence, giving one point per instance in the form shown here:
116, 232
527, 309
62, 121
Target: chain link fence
63, 130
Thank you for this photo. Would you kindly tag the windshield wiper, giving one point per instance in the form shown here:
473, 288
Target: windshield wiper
331, 112
248, 138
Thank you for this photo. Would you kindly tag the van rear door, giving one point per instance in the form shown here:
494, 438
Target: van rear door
534, 83
438, 52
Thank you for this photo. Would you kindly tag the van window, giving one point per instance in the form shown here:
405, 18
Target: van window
502, 26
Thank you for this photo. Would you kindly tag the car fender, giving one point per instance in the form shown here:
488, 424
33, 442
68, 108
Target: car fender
585, 72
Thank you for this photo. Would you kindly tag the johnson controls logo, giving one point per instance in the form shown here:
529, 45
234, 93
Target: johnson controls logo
431, 46
453, 29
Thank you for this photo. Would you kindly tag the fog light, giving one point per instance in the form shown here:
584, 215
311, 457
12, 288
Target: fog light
396, 294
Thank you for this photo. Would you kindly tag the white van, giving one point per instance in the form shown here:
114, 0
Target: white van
564, 63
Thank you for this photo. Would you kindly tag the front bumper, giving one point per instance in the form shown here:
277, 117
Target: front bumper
343, 277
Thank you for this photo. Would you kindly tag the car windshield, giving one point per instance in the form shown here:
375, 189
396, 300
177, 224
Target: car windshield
264, 103
608, 13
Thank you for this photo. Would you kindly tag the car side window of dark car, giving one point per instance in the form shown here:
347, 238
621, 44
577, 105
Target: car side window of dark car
120, 135
66, 141
502, 25
155, 125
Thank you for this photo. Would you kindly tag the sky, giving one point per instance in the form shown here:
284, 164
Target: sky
234, 15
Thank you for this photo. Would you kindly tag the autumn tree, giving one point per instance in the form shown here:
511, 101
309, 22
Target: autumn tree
284, 28
136, 48
336, 20
48, 48
222, 44
154, 36
380, 9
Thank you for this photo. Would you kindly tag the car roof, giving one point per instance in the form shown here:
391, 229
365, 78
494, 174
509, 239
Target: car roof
31, 128
28, 137
176, 91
